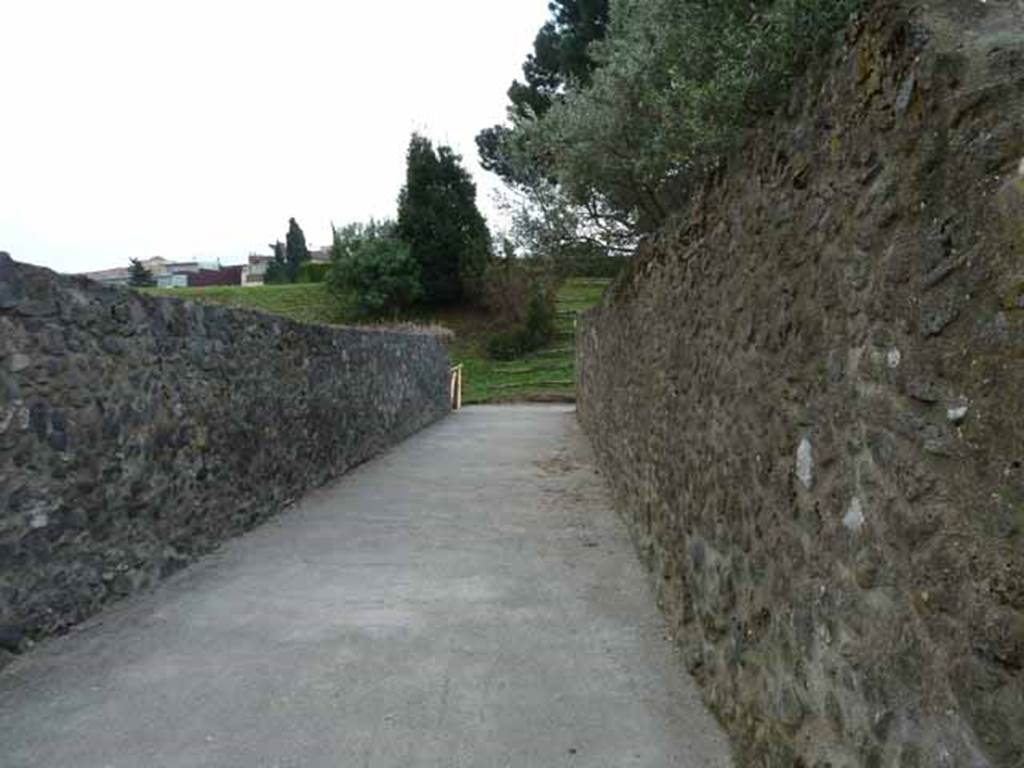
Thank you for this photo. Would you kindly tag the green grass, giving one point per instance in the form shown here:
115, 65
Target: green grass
545, 375
305, 302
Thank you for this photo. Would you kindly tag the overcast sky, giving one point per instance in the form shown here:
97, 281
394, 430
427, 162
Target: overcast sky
195, 128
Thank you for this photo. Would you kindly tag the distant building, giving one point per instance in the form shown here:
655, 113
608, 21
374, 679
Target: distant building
172, 280
122, 275
173, 274
254, 271
204, 278
189, 267
179, 274
322, 255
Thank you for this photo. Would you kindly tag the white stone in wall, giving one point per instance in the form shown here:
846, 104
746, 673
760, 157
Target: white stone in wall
854, 518
956, 413
19, 362
805, 463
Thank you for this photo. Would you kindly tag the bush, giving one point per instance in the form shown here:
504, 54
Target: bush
507, 345
313, 272
375, 268
540, 318
506, 293
277, 269
276, 274
524, 298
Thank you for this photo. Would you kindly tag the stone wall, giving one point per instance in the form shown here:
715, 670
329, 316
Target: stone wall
137, 433
808, 396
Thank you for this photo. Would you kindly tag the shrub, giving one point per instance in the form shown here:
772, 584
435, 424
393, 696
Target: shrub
375, 268
506, 292
540, 318
520, 295
507, 345
276, 274
277, 269
313, 272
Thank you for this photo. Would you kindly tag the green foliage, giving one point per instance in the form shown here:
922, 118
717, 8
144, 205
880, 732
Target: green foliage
139, 276
495, 156
508, 285
590, 265
547, 225
525, 298
561, 58
296, 252
675, 84
375, 268
307, 303
277, 269
538, 330
561, 53
351, 236
540, 318
289, 258
439, 220
313, 272
507, 345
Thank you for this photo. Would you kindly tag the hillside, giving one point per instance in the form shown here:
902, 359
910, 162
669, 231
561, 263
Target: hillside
545, 375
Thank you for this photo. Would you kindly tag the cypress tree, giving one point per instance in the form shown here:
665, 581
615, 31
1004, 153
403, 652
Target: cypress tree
438, 218
296, 251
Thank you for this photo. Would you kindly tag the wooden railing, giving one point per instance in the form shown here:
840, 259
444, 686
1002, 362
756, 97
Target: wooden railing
455, 387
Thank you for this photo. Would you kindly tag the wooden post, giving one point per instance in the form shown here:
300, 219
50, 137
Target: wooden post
455, 387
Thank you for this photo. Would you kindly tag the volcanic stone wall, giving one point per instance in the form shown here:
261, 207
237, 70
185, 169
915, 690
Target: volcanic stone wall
808, 396
137, 433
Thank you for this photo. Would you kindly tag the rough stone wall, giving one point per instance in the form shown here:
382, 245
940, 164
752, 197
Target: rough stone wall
138, 432
808, 395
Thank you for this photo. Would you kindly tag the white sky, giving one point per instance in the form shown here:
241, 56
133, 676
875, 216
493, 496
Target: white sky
195, 128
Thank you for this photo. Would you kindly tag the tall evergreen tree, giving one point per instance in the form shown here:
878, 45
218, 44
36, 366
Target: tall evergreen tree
561, 59
296, 251
438, 218
139, 276
560, 56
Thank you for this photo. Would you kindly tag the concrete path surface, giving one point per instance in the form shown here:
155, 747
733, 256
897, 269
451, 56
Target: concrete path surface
468, 599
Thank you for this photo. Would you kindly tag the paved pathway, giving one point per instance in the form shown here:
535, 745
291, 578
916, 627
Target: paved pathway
469, 599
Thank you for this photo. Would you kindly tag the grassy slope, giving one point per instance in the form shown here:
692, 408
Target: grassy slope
544, 375
306, 302
547, 374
